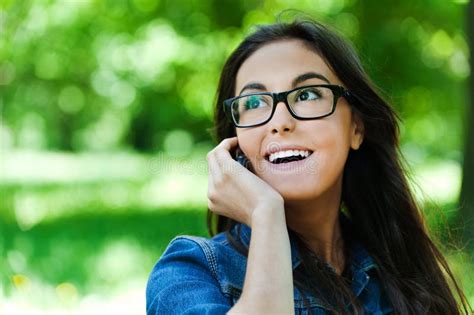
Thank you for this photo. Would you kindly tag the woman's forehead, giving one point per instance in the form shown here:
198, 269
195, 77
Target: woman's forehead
276, 64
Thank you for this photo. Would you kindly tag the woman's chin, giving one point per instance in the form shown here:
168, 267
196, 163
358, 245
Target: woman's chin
297, 191
289, 173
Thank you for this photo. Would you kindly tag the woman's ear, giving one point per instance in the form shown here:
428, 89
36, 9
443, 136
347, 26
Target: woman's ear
357, 131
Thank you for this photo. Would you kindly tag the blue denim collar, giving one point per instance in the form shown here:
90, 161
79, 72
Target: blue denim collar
361, 262
360, 257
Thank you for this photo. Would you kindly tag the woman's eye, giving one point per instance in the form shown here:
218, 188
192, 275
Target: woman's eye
307, 95
254, 102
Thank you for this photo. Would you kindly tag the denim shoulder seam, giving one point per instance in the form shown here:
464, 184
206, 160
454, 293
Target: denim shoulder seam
208, 253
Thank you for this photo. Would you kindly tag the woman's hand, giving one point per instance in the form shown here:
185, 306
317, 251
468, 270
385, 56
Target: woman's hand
234, 191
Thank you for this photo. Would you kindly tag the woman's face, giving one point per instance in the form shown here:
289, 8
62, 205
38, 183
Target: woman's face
328, 140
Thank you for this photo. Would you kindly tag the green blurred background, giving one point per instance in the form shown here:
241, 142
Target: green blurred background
105, 114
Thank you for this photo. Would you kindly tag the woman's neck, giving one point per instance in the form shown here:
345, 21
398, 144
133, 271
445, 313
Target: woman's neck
317, 222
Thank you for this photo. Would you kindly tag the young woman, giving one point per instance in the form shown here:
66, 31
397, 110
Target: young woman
319, 218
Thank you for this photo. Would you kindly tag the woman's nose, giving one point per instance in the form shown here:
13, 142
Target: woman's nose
282, 119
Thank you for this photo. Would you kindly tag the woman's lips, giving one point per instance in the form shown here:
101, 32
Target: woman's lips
301, 166
275, 147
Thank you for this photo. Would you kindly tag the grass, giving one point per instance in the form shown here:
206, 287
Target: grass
86, 244
72, 257
62, 261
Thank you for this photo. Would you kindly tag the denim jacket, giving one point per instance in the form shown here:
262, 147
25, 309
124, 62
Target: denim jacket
198, 275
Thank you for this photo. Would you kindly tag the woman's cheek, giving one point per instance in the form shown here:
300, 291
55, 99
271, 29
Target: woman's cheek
329, 163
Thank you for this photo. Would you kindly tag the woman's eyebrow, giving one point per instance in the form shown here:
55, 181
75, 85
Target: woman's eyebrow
308, 75
299, 79
254, 86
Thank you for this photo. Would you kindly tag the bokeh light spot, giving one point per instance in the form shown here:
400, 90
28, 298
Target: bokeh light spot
48, 66
67, 292
71, 99
21, 282
178, 143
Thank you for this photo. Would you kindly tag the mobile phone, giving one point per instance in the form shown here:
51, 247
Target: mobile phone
240, 157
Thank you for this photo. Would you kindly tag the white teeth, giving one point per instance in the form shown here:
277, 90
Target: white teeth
287, 153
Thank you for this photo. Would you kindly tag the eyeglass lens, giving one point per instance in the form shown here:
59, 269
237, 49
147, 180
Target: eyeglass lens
309, 102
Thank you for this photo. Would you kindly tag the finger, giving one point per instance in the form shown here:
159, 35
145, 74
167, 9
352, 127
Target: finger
222, 150
223, 157
210, 180
215, 172
228, 143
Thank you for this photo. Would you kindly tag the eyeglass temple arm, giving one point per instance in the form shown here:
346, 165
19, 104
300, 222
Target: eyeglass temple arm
350, 97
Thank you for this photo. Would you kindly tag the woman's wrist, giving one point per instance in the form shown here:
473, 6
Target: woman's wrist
268, 213
268, 288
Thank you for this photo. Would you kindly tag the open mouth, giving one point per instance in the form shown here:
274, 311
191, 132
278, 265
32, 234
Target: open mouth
288, 156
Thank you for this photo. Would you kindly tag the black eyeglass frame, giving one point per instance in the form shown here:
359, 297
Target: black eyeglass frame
337, 91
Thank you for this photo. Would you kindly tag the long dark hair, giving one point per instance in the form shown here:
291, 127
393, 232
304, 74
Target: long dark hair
376, 196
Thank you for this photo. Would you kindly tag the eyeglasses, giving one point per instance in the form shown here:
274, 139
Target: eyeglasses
304, 103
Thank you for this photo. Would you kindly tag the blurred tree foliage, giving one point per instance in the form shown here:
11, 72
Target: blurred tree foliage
88, 76
467, 190
123, 74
